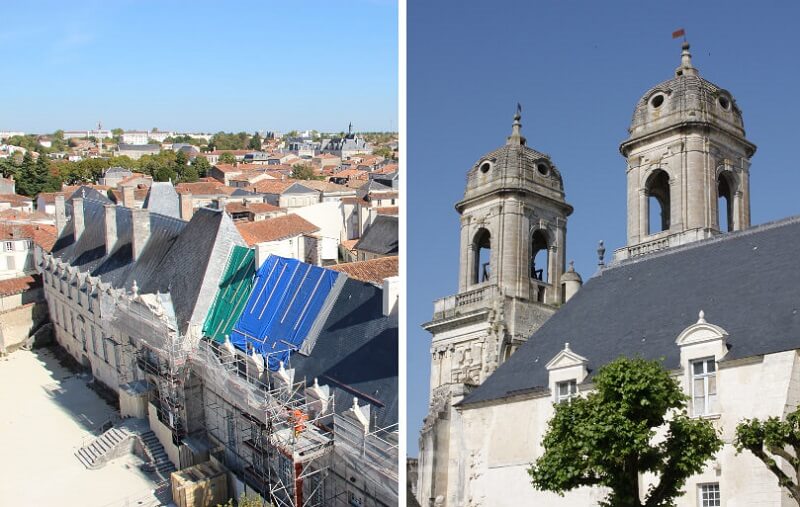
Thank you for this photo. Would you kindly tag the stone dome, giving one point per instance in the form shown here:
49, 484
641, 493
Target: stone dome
685, 99
515, 166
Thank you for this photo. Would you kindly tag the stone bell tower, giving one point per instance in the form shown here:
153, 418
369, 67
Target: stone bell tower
688, 164
512, 259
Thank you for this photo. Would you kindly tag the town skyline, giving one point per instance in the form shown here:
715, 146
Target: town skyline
182, 79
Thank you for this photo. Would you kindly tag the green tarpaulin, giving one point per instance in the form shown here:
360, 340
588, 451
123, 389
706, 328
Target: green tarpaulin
234, 290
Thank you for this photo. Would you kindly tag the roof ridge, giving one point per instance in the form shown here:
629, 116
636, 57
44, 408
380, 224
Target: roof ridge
728, 236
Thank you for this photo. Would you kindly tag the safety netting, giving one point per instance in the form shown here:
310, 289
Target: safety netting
234, 289
288, 297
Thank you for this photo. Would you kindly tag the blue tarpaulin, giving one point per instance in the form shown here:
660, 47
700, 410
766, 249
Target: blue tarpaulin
287, 298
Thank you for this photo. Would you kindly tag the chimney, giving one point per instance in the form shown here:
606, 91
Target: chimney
61, 214
128, 197
140, 219
187, 209
78, 223
111, 227
391, 294
221, 202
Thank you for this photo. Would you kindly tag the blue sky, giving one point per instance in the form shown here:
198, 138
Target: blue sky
578, 68
200, 66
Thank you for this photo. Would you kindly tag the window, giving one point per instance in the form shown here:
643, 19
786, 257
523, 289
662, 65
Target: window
658, 202
708, 495
565, 391
724, 203
94, 341
482, 246
9, 246
704, 386
104, 341
539, 256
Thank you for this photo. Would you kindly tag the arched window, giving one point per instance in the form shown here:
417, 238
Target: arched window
724, 203
482, 246
658, 211
540, 256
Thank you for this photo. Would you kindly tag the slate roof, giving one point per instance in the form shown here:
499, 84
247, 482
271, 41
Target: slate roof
746, 282
381, 237
177, 258
162, 198
357, 352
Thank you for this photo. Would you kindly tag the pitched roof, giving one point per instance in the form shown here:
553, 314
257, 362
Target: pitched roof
15, 199
252, 207
275, 229
326, 186
351, 173
381, 237
389, 210
42, 235
281, 186
162, 198
204, 188
19, 285
374, 270
180, 258
746, 282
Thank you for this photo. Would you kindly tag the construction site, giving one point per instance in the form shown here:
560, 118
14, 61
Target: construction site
284, 377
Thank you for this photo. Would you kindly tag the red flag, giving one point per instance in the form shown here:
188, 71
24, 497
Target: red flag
678, 33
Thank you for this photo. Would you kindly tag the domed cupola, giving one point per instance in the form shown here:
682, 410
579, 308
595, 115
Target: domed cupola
688, 164
683, 100
513, 218
514, 167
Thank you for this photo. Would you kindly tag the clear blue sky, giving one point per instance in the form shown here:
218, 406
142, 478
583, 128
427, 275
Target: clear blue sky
578, 68
200, 65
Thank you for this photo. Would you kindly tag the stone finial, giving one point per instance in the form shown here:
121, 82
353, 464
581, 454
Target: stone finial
701, 317
135, 289
601, 253
516, 128
686, 68
571, 267
566, 346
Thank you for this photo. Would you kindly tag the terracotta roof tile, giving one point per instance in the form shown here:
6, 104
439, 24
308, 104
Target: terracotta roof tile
15, 199
374, 270
254, 207
42, 235
204, 188
275, 229
19, 285
389, 210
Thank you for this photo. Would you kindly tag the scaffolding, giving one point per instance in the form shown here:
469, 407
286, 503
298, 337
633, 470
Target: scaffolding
265, 428
159, 355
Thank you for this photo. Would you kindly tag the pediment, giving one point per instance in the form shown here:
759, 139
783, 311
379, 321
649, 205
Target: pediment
701, 332
566, 359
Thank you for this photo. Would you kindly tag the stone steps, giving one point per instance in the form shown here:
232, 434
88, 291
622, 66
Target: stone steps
90, 455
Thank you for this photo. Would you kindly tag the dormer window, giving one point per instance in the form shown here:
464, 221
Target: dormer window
566, 390
542, 169
724, 102
656, 101
485, 167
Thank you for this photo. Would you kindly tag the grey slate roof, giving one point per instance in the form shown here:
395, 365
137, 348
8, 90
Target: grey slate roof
746, 282
381, 237
357, 352
179, 257
162, 198
89, 193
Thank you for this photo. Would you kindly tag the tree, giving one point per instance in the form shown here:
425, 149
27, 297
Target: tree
201, 166
770, 439
303, 172
608, 437
26, 176
244, 501
383, 151
227, 158
255, 142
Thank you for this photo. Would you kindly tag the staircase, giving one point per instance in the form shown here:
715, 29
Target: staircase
159, 461
96, 453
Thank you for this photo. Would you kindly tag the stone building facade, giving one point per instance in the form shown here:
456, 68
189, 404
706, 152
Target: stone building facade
735, 353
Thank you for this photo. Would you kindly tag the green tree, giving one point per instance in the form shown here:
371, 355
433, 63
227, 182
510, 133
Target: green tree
303, 172
383, 151
201, 166
8, 168
255, 142
26, 176
771, 439
227, 158
607, 437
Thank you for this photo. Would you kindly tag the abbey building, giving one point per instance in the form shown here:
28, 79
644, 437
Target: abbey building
695, 285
